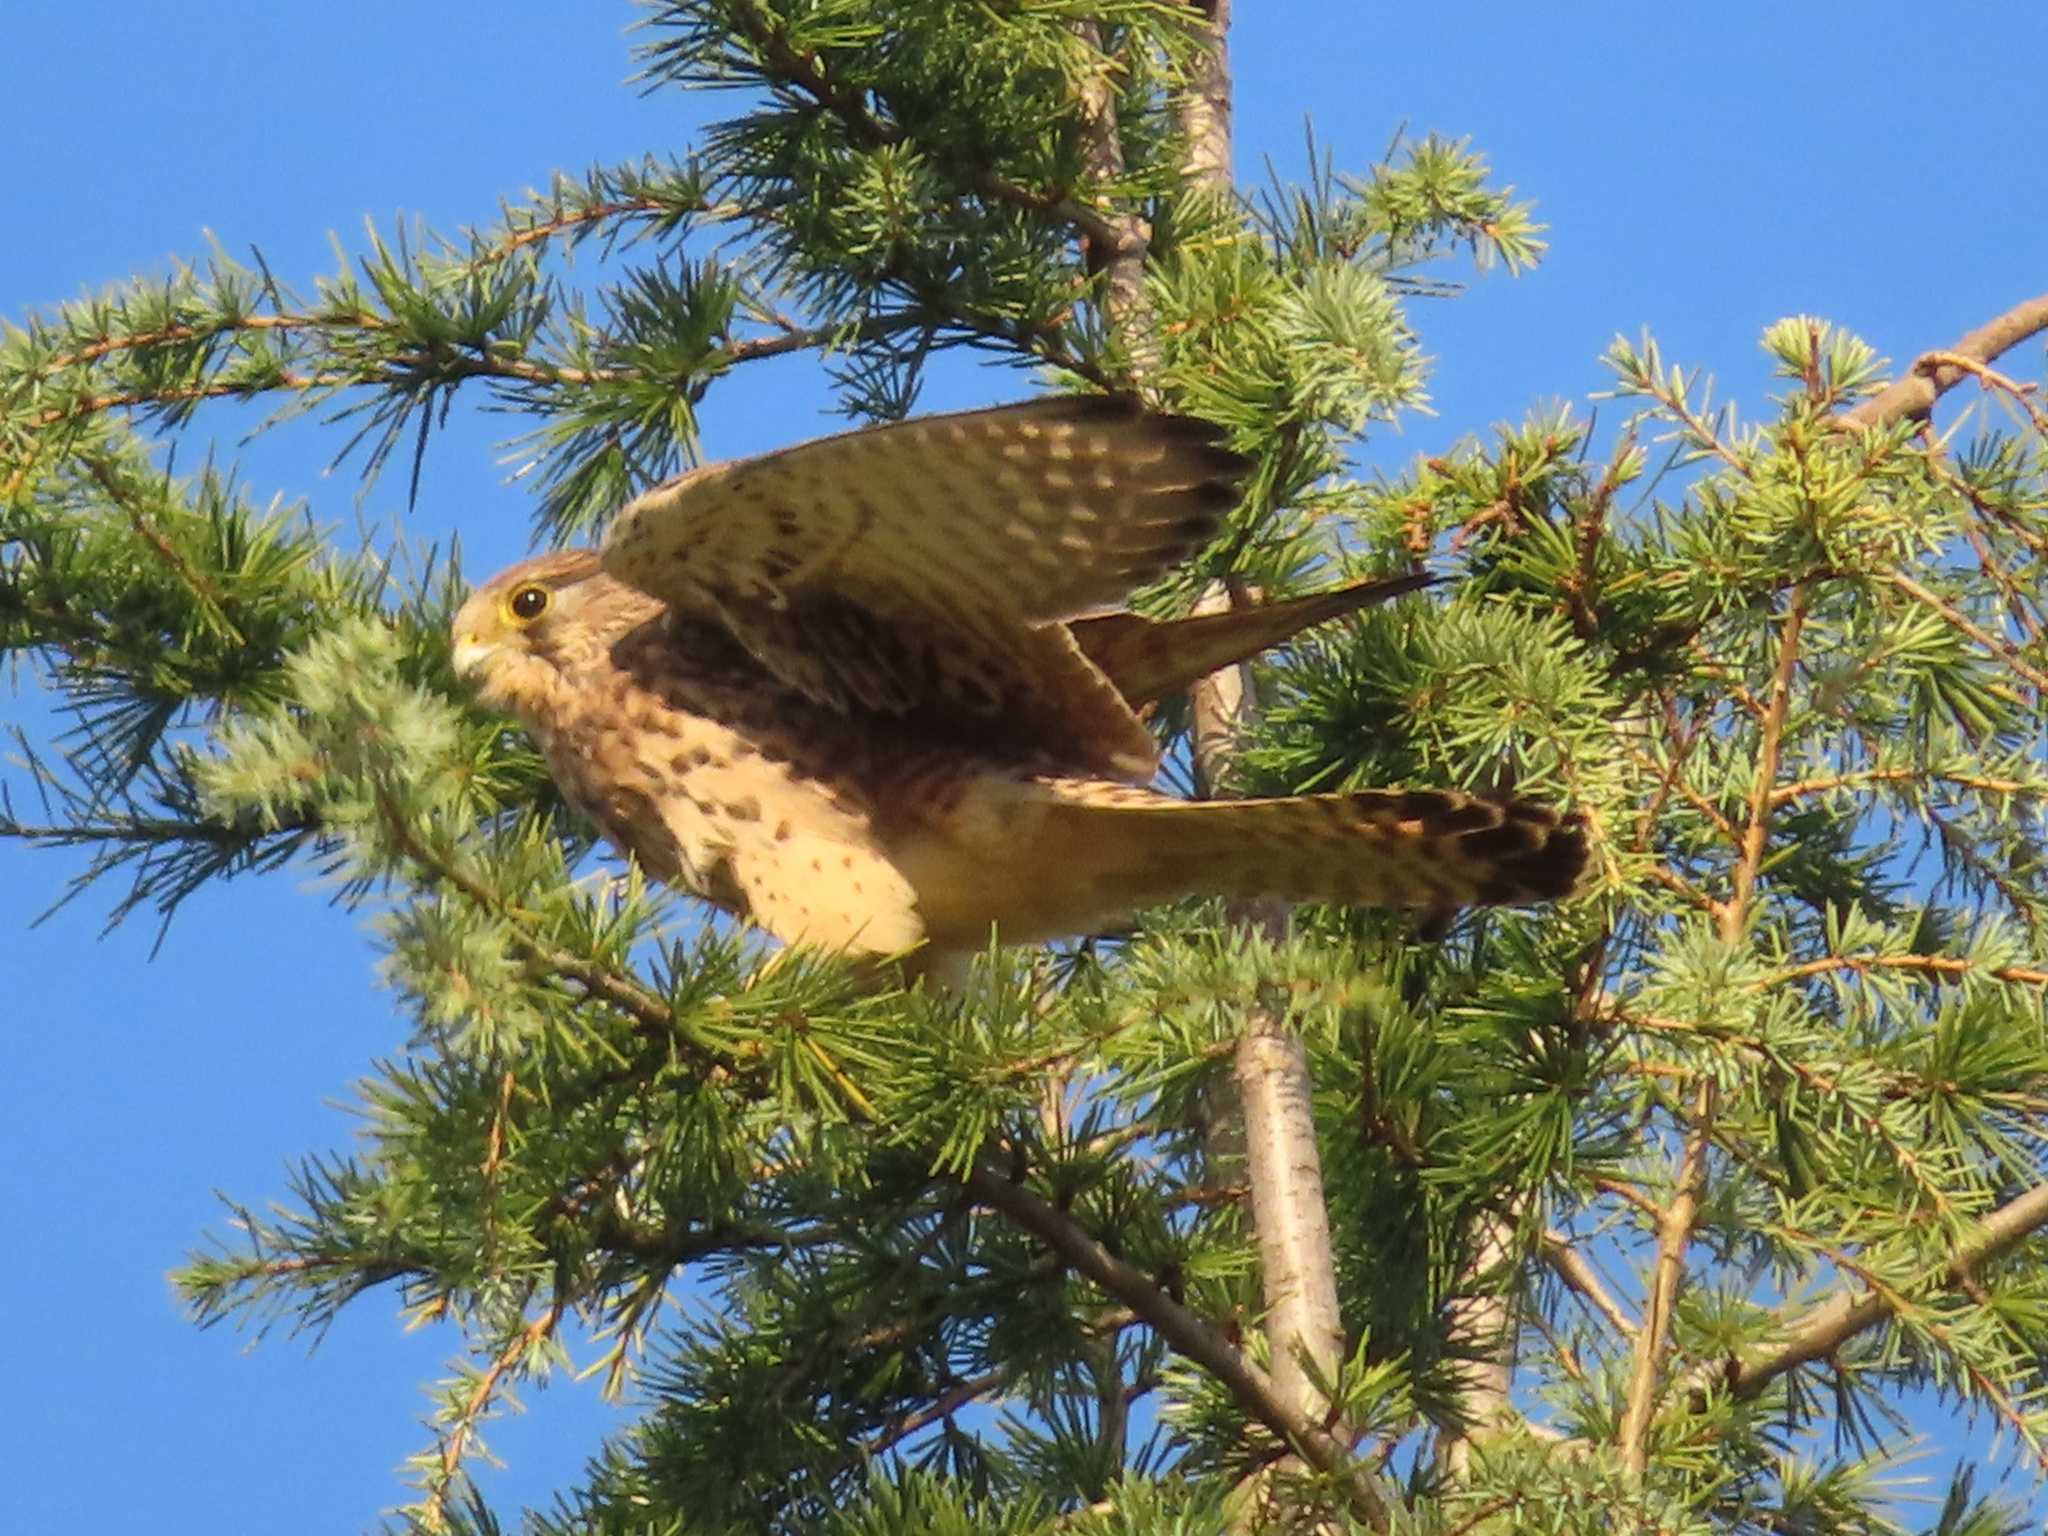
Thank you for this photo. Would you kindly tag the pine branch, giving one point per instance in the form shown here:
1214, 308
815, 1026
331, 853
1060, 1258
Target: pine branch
168, 335
1770, 749
812, 75
199, 585
2003, 649
1674, 1233
1826, 1328
1957, 966
622, 992
914, 176
941, 1408
446, 1479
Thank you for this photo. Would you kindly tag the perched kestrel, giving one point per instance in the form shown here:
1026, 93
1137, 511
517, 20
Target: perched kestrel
864, 692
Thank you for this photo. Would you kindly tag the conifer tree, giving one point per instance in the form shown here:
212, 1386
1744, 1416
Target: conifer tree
1647, 1211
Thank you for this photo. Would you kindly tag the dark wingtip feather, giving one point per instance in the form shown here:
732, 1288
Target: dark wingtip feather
1217, 495
1191, 430
1219, 462
1094, 407
1207, 444
1529, 851
1542, 856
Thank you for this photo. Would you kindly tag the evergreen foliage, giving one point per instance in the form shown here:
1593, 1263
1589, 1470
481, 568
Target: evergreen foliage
1649, 1210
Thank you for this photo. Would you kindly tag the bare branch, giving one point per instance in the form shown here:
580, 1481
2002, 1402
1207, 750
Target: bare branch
1674, 1233
1934, 375
1480, 1318
1186, 1332
1290, 1213
1115, 244
1205, 103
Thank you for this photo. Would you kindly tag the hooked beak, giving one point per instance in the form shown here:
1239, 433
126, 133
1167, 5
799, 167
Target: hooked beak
470, 655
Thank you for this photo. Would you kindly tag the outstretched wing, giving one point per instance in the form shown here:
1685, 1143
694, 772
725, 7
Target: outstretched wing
921, 568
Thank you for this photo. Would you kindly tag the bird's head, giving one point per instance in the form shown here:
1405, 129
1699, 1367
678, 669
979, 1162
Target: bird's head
520, 630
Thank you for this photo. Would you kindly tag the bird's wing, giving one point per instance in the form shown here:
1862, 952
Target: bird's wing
922, 567
1147, 659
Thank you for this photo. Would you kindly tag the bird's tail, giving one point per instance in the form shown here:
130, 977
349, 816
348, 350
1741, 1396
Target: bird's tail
1435, 850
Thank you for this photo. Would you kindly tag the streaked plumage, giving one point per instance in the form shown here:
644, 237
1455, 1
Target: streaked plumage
862, 692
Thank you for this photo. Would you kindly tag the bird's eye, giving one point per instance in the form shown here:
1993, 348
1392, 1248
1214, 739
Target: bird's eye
528, 603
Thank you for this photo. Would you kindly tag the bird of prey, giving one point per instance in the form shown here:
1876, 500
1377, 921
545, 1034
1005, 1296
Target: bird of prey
867, 692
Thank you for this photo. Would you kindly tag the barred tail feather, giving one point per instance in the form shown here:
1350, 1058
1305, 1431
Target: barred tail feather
1429, 849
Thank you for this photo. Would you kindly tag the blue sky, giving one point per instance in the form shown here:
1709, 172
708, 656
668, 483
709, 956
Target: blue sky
1704, 171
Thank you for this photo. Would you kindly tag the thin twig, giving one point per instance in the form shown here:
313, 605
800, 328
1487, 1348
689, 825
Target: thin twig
1572, 1268
1692, 797
547, 229
2000, 647
1630, 1194
1992, 381
1735, 915
1824, 783
1933, 965
944, 1406
435, 1515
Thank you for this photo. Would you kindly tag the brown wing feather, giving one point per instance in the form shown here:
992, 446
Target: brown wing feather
1020, 689
1147, 659
946, 548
